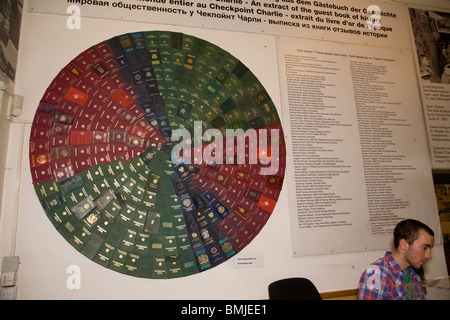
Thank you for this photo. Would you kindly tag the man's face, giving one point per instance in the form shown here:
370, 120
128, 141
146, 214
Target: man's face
420, 250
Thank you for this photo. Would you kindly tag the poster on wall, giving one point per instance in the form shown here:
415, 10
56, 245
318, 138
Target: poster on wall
431, 31
356, 143
10, 18
157, 154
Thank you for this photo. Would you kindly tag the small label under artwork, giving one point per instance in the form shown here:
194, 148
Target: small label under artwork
249, 261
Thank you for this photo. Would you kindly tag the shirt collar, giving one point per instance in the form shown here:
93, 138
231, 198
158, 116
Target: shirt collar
395, 266
392, 263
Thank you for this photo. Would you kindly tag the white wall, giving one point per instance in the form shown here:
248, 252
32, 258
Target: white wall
46, 47
4, 139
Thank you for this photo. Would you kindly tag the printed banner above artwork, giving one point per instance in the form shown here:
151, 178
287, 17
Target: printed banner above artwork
342, 21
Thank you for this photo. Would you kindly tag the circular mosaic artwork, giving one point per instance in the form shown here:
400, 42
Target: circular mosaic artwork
157, 154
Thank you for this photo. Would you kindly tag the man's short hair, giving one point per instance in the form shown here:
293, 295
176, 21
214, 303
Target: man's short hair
409, 230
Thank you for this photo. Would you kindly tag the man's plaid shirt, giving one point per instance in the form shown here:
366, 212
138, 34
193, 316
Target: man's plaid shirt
384, 280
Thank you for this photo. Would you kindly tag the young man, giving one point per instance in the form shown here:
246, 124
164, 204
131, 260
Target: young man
391, 277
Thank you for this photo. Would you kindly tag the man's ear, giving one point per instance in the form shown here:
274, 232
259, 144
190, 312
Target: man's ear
403, 245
